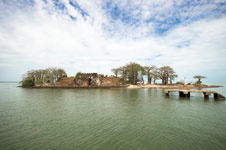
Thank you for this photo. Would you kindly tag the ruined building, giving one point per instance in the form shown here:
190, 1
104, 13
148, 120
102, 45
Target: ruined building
84, 80
96, 80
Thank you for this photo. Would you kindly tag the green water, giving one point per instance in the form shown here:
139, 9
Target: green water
109, 119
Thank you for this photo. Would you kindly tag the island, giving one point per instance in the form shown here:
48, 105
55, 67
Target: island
128, 76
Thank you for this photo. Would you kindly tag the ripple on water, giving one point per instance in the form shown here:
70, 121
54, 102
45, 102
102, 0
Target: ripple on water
108, 119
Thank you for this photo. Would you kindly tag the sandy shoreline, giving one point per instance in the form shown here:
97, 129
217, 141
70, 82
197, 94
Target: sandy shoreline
129, 86
171, 86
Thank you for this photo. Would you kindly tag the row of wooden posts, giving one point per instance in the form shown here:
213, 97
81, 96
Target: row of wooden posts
187, 93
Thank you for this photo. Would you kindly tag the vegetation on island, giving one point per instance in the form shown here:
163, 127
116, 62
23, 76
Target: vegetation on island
134, 73
131, 73
40, 76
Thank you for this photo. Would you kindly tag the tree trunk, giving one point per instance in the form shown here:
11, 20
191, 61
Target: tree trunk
167, 80
135, 79
149, 78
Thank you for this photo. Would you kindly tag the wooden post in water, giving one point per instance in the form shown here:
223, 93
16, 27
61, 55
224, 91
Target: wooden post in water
206, 95
186, 94
181, 94
184, 91
189, 94
215, 95
166, 92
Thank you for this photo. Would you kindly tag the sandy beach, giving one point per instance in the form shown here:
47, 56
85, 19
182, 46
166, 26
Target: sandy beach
171, 86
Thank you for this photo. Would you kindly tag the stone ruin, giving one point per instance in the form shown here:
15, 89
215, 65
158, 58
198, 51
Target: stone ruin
83, 80
88, 79
96, 80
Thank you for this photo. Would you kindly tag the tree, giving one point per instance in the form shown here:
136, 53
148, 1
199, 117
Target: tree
116, 71
172, 77
123, 73
131, 73
199, 77
148, 72
155, 75
134, 72
27, 82
166, 73
49, 75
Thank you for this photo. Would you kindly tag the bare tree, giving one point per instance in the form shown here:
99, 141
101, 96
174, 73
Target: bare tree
199, 77
116, 71
50, 75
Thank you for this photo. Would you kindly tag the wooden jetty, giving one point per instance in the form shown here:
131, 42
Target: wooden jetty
187, 93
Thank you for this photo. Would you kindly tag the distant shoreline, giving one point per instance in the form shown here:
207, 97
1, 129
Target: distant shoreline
9, 81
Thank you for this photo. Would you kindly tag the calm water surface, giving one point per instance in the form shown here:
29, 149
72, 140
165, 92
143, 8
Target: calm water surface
109, 119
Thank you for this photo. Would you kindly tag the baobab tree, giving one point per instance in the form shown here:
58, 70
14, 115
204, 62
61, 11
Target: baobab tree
116, 71
149, 71
131, 72
155, 75
166, 73
134, 72
50, 75
199, 78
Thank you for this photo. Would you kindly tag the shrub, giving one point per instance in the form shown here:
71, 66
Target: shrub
180, 82
198, 82
27, 82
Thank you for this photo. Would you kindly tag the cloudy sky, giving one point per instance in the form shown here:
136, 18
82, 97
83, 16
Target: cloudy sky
97, 35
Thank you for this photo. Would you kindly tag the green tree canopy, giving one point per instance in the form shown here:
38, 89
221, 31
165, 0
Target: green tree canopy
167, 73
134, 72
151, 72
131, 73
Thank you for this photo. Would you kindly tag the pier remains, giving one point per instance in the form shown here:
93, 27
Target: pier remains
186, 92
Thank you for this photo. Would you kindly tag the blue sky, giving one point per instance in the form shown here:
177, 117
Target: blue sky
95, 36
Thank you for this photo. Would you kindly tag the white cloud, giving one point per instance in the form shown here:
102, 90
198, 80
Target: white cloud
35, 39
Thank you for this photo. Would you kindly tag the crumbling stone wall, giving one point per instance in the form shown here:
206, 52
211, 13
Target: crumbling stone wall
96, 80
88, 79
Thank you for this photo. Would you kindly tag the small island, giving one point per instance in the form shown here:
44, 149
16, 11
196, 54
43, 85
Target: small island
128, 76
